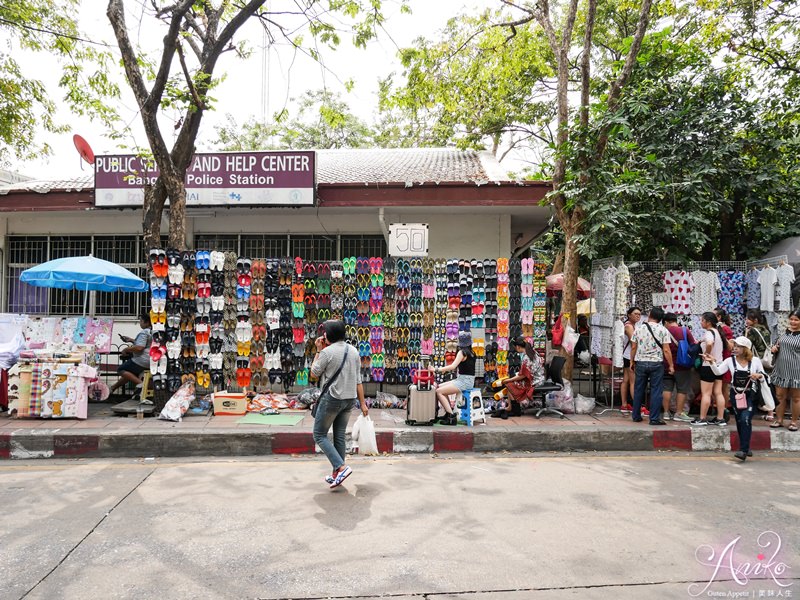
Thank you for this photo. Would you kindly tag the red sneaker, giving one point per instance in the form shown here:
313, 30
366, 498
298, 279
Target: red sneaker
645, 412
626, 408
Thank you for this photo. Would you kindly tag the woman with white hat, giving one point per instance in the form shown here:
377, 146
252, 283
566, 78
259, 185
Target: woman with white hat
746, 371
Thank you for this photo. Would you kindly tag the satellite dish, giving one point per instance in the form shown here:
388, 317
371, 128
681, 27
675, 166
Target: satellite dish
84, 149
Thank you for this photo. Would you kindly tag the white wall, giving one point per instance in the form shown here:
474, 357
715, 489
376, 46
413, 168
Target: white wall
460, 234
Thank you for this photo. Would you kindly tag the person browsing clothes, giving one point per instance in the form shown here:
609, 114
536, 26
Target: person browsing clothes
649, 350
338, 366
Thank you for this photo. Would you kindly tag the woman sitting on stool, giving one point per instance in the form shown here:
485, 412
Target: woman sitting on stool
519, 388
465, 363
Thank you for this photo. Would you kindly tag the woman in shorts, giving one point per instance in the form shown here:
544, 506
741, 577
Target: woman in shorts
464, 362
628, 376
710, 383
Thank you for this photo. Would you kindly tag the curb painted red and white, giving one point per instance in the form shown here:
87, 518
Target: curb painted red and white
29, 444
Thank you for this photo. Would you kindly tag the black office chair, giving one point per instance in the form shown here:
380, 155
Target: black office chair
553, 383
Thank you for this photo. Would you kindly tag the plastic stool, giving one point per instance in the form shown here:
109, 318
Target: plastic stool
470, 413
147, 390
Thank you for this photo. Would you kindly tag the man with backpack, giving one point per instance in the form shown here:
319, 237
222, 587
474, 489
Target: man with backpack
649, 351
682, 343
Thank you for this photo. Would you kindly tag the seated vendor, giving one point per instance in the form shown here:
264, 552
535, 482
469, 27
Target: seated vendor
519, 389
136, 356
464, 363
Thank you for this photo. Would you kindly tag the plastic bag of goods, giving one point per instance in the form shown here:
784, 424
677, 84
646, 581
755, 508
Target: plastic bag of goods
584, 405
177, 406
364, 436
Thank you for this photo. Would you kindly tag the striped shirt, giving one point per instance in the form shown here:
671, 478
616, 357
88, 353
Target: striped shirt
786, 373
327, 363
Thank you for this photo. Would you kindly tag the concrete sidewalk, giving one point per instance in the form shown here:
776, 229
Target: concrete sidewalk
106, 435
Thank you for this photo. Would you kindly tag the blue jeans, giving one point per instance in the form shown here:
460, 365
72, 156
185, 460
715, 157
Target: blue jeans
336, 413
652, 372
744, 419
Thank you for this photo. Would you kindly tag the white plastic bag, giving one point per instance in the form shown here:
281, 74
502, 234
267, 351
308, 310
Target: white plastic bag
584, 405
364, 435
562, 400
571, 338
177, 406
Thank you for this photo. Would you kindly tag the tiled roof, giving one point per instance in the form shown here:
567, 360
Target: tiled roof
44, 186
410, 166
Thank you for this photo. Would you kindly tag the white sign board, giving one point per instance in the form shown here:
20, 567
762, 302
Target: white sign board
408, 239
661, 299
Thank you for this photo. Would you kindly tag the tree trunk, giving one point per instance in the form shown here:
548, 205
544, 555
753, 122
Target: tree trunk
152, 208
558, 263
177, 218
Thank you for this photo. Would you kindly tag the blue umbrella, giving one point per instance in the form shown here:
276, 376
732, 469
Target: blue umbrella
85, 273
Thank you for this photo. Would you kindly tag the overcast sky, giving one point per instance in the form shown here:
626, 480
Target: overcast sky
289, 74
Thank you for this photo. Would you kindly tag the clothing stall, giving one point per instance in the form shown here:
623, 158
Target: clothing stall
688, 289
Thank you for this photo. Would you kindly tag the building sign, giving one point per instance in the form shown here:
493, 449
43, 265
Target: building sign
408, 239
219, 179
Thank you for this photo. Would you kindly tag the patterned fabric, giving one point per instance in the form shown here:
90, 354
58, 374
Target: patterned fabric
679, 285
704, 296
647, 283
35, 404
786, 373
767, 279
737, 325
753, 289
623, 283
649, 348
620, 339
609, 290
731, 296
785, 275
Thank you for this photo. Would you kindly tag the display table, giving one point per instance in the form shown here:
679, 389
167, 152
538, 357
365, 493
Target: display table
54, 387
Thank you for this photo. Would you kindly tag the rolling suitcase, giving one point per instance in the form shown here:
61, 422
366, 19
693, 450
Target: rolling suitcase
421, 406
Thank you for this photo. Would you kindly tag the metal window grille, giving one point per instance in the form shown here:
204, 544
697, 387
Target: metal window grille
68, 302
264, 246
122, 250
363, 245
220, 243
313, 247
25, 252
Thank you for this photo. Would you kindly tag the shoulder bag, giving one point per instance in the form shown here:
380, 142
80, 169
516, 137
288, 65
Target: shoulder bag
766, 360
655, 339
328, 383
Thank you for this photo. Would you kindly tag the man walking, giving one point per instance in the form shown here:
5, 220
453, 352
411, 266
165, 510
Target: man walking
649, 350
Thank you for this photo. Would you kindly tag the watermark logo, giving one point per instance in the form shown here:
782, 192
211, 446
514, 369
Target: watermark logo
727, 566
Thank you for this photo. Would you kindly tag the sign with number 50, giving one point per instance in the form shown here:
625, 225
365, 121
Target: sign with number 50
408, 239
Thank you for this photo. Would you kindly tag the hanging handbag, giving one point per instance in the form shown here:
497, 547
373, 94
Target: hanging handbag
557, 332
766, 360
741, 398
329, 383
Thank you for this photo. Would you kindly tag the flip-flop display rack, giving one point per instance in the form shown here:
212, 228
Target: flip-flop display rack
228, 321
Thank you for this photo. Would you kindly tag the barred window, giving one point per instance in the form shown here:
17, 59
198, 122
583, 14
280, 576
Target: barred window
313, 247
264, 246
122, 250
363, 245
220, 243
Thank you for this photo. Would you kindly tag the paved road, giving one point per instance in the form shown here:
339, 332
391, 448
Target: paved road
461, 527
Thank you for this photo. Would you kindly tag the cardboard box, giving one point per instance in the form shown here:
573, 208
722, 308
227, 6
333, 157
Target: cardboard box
230, 404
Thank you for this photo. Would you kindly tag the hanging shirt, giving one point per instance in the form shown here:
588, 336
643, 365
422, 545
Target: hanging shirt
767, 280
679, 286
731, 296
647, 283
623, 283
704, 296
753, 289
785, 275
